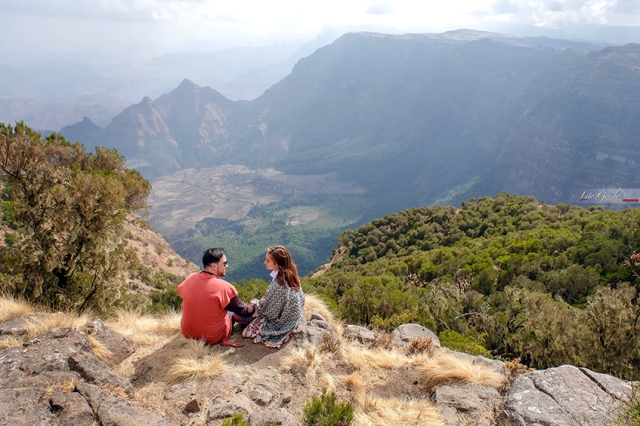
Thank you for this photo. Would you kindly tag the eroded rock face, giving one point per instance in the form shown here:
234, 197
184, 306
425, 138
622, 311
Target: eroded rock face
58, 358
562, 396
113, 410
459, 404
42, 361
118, 344
25, 407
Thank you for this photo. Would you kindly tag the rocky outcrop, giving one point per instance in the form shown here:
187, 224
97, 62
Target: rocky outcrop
404, 334
59, 359
55, 379
564, 395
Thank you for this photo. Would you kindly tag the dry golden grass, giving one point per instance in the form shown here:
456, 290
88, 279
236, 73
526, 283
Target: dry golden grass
145, 330
355, 384
46, 322
314, 305
193, 348
449, 369
100, 350
191, 369
11, 308
64, 387
304, 361
395, 412
10, 342
366, 359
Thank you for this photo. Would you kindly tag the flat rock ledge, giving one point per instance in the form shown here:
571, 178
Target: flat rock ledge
58, 359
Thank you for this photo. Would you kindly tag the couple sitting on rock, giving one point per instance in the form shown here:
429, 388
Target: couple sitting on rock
210, 303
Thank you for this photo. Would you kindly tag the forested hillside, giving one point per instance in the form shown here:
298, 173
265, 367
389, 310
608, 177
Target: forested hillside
505, 274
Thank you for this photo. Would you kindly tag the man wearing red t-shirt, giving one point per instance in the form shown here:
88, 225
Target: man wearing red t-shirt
206, 300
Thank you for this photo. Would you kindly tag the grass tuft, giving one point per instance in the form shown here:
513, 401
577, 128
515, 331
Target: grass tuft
11, 308
46, 322
191, 369
145, 330
393, 412
366, 360
449, 369
303, 361
10, 342
100, 350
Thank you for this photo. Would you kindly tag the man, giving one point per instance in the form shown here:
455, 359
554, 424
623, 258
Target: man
207, 300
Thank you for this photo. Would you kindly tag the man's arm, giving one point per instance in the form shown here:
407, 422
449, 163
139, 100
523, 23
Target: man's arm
237, 307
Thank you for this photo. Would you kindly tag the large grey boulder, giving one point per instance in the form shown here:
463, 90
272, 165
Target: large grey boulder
113, 410
94, 370
404, 334
361, 334
311, 332
25, 407
227, 407
458, 404
560, 396
71, 409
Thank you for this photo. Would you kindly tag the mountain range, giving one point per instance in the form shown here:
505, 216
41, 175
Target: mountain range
412, 119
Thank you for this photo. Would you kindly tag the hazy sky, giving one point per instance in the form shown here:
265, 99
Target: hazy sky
36, 26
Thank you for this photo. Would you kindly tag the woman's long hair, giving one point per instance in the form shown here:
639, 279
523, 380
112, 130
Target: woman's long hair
287, 271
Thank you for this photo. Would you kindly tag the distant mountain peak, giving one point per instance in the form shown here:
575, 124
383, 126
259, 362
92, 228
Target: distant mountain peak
187, 84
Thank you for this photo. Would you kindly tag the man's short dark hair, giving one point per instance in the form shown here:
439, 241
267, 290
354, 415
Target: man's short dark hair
212, 255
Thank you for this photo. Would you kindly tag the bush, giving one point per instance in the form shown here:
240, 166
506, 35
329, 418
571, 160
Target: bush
236, 420
472, 344
68, 207
326, 411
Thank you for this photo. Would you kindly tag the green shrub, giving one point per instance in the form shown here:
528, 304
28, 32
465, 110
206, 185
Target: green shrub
236, 420
159, 249
472, 344
326, 411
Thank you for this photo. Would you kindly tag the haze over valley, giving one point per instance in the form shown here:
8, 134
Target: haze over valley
394, 121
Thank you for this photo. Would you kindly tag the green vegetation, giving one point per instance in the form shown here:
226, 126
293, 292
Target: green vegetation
326, 411
236, 420
66, 209
548, 284
305, 225
630, 413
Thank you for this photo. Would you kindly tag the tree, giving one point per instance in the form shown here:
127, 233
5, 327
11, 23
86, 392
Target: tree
68, 209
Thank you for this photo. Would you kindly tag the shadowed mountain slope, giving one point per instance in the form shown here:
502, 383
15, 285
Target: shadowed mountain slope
413, 116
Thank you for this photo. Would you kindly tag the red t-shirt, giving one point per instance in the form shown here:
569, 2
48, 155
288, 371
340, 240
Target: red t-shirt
204, 298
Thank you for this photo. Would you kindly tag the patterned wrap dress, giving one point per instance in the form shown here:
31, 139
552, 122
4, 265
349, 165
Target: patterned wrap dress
278, 313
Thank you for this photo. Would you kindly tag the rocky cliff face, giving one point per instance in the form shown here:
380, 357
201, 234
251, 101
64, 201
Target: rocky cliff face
416, 117
131, 371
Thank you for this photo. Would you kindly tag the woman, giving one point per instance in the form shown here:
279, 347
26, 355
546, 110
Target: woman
280, 309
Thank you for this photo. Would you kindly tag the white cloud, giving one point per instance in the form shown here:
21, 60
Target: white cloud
379, 9
109, 10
